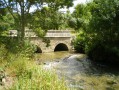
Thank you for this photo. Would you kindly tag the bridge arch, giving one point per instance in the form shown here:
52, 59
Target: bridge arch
38, 50
61, 47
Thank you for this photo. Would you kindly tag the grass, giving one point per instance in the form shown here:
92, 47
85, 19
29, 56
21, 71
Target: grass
28, 75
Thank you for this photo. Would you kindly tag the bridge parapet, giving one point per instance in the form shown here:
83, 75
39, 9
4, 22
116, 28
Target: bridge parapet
58, 33
50, 33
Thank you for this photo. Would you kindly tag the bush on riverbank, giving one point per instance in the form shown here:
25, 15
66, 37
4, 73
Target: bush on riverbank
79, 43
12, 45
104, 53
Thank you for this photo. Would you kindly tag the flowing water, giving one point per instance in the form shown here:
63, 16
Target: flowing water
79, 72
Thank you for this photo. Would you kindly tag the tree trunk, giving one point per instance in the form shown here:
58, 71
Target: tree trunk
22, 31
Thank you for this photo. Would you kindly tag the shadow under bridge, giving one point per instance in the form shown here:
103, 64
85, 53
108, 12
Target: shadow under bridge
61, 47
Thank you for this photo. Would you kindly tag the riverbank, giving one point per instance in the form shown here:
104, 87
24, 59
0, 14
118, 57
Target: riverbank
25, 74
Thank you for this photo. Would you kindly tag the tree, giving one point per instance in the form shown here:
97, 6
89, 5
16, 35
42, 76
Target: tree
6, 23
106, 19
57, 4
82, 15
103, 31
6, 20
80, 21
19, 9
47, 19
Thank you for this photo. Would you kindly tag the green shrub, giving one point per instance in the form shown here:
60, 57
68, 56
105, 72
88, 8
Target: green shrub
28, 49
79, 43
103, 52
3, 52
16, 47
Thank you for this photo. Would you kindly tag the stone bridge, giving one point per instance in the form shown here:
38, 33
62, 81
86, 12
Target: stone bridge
60, 40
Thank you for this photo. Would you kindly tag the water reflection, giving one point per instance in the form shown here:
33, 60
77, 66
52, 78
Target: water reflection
51, 56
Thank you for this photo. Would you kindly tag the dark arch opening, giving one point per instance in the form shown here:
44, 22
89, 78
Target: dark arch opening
38, 50
61, 47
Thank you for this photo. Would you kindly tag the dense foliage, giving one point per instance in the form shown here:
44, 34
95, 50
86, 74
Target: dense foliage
6, 21
82, 16
102, 30
47, 18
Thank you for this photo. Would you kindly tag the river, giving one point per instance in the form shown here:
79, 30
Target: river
79, 72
